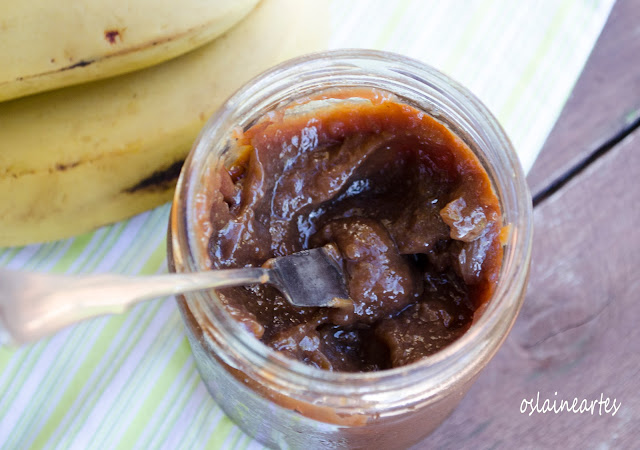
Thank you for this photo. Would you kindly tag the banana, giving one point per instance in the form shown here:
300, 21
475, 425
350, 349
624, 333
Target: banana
84, 156
50, 44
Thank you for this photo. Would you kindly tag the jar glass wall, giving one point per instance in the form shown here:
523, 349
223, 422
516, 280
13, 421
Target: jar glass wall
283, 402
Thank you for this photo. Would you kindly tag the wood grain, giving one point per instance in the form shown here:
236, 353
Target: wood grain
578, 332
605, 100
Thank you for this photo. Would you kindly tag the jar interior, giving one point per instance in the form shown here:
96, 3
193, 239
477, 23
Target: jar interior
418, 86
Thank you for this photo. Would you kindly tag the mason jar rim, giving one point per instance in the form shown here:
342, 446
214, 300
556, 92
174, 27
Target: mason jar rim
503, 304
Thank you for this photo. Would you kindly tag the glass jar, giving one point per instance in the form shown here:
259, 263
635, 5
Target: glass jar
284, 403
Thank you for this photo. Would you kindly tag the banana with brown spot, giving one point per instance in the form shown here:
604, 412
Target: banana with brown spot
50, 44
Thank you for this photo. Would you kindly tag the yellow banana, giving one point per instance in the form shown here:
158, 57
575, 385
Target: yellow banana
50, 44
83, 156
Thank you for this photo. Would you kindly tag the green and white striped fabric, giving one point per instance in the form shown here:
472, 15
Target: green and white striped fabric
130, 381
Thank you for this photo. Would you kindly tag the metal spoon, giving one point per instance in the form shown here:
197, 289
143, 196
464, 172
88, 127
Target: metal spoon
34, 305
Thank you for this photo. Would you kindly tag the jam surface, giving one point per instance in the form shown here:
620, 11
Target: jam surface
404, 203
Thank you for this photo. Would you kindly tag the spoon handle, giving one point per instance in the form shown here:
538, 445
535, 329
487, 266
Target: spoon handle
34, 305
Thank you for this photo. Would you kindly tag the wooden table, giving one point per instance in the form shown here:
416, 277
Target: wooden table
578, 334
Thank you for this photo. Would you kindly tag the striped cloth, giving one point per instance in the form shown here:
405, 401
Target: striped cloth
130, 381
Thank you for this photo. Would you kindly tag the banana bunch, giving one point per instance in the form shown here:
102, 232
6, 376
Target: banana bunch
75, 158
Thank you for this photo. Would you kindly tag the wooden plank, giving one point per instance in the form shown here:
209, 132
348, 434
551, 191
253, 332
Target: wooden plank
578, 332
605, 100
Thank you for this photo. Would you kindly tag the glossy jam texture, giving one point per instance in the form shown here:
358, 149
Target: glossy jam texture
403, 201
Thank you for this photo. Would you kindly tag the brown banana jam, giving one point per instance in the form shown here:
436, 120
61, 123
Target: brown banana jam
405, 204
